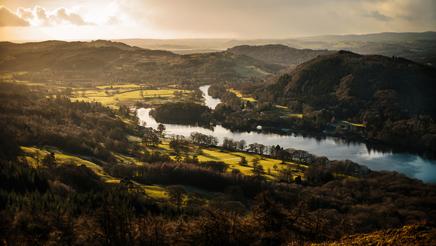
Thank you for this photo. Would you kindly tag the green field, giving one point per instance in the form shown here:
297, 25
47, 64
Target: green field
239, 94
35, 155
280, 106
113, 95
232, 158
119, 86
299, 116
125, 94
155, 191
354, 124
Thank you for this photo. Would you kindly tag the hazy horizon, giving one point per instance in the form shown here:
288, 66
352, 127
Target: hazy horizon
36, 20
211, 38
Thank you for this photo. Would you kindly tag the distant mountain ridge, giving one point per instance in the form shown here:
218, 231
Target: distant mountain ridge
378, 37
278, 54
416, 46
107, 60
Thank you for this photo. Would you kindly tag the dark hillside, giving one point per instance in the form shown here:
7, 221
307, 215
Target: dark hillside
278, 54
345, 78
393, 96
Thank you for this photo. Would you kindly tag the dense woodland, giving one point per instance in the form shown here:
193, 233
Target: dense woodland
31, 118
183, 113
393, 98
66, 204
397, 107
85, 183
239, 115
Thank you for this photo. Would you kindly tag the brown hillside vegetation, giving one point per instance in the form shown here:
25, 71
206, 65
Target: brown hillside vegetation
72, 174
278, 54
407, 235
105, 60
350, 84
393, 96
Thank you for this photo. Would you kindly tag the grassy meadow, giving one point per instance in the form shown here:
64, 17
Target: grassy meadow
233, 158
126, 94
239, 94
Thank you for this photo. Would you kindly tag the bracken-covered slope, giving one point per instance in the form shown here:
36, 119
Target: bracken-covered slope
407, 235
106, 60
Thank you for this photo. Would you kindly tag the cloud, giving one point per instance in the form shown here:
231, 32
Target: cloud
25, 13
283, 18
113, 20
230, 18
72, 18
39, 16
8, 18
378, 16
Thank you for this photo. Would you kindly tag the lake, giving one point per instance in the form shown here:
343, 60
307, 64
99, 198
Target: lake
333, 148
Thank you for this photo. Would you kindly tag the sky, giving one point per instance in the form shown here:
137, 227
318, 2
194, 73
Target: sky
233, 19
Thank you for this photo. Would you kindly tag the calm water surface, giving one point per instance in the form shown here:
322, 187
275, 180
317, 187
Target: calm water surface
333, 148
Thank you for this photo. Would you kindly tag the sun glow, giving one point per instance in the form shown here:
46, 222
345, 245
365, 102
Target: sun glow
48, 19
80, 22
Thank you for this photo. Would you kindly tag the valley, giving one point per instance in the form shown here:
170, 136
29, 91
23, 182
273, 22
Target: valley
280, 144
336, 148
331, 147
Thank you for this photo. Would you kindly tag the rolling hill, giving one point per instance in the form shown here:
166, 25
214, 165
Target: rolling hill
416, 46
346, 78
278, 54
393, 96
105, 60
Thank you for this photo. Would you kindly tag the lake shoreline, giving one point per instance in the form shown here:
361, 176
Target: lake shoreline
375, 156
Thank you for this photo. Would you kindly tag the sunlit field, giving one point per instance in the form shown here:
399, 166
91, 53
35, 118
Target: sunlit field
123, 94
218, 122
35, 156
232, 158
239, 94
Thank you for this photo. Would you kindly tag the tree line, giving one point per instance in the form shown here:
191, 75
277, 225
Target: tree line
67, 204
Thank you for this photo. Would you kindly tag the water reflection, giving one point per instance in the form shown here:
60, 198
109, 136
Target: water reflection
409, 164
333, 148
